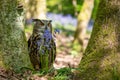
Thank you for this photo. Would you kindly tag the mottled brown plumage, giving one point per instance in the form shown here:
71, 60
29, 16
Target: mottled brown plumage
41, 45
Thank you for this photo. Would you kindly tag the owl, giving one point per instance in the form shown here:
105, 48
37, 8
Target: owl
41, 45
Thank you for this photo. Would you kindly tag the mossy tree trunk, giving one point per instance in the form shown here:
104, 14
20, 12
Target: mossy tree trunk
101, 60
83, 19
35, 9
13, 45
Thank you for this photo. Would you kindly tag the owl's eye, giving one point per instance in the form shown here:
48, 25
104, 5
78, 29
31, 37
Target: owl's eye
41, 23
49, 24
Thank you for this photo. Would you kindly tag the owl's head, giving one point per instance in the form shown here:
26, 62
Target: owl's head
42, 25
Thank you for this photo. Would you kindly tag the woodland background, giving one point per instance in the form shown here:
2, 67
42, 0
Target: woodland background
88, 45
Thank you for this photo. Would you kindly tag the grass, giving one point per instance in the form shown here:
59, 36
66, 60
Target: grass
59, 74
115, 74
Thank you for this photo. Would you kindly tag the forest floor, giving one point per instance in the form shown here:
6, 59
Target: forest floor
66, 58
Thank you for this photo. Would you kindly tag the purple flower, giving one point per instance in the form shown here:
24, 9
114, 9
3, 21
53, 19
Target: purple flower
63, 20
46, 45
38, 43
47, 36
42, 51
57, 31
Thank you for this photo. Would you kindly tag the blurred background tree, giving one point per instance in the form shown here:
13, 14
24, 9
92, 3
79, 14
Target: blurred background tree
35, 9
82, 22
101, 59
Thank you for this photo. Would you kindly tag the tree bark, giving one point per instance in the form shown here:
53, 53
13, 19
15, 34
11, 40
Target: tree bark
83, 19
101, 60
74, 2
35, 9
13, 45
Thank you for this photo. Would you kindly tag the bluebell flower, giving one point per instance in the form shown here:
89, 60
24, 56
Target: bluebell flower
47, 36
57, 31
46, 45
42, 51
61, 19
38, 43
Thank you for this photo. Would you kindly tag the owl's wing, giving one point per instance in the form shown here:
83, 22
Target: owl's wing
53, 51
54, 47
34, 43
33, 47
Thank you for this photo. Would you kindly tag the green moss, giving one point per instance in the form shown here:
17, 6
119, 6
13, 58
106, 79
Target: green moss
13, 45
101, 58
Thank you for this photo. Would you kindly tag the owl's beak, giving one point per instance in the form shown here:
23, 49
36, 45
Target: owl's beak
46, 28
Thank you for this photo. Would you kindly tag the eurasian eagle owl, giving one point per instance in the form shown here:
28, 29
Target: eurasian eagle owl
41, 45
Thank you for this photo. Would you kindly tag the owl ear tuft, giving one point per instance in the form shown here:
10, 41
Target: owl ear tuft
34, 20
50, 21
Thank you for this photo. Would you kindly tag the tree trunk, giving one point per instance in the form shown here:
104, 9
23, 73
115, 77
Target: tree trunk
83, 19
74, 2
101, 60
35, 9
13, 45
